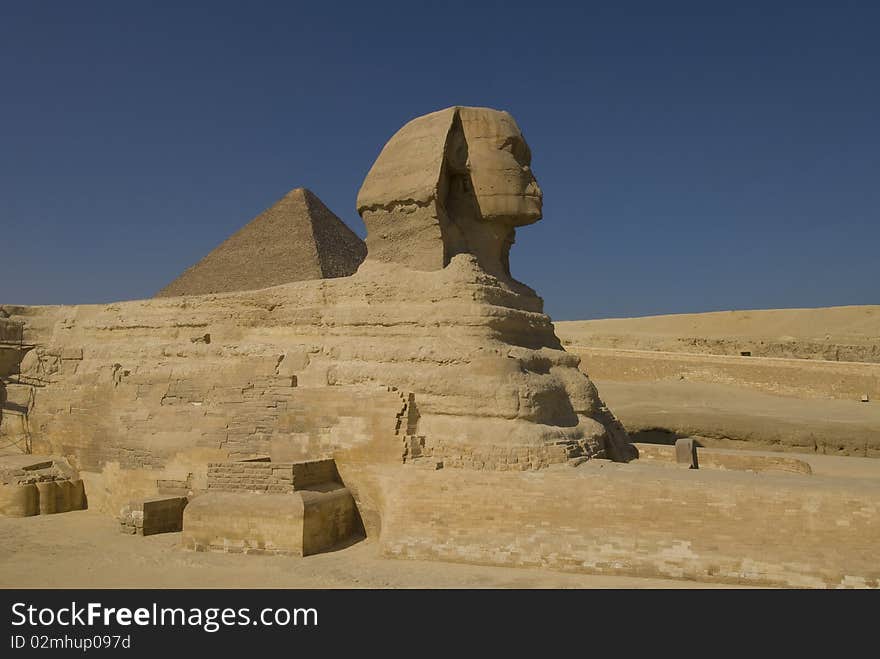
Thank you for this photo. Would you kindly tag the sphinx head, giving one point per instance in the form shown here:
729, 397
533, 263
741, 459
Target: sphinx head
451, 182
499, 165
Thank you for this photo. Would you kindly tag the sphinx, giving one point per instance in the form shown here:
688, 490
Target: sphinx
426, 395
430, 351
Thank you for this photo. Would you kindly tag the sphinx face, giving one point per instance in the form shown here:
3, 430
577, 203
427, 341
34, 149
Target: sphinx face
499, 165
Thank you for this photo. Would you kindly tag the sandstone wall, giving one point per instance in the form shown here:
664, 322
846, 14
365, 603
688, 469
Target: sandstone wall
646, 520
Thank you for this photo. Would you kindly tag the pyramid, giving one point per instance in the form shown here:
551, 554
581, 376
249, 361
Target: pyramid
296, 239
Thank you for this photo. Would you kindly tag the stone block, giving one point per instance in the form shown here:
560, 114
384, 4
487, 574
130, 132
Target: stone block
19, 500
686, 452
48, 497
301, 523
153, 515
163, 514
63, 495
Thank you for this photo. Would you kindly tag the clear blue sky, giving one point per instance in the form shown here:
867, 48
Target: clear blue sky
694, 156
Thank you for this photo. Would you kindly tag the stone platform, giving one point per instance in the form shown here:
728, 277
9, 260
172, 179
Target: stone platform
648, 519
301, 523
261, 507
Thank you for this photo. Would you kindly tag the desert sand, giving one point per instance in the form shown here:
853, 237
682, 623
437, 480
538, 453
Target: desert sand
781, 379
850, 333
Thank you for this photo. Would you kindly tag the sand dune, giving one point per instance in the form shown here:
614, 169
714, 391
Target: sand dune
849, 333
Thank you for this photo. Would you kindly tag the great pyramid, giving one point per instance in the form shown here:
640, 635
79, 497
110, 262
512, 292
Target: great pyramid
296, 239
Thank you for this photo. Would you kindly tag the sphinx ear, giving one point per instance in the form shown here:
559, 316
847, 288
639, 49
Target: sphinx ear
455, 178
456, 148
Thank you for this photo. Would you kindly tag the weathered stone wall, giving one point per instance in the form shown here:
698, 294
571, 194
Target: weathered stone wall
143, 416
640, 519
271, 477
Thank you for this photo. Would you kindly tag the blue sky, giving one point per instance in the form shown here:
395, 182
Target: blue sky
693, 156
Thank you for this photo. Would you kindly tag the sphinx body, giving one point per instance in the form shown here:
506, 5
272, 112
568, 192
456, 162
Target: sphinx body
430, 351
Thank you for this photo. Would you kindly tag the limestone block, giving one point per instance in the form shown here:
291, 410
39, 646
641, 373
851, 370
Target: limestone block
163, 514
19, 500
63, 494
153, 515
48, 497
300, 524
686, 452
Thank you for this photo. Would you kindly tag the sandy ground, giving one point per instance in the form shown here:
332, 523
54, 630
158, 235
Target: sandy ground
84, 549
766, 400
858, 324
